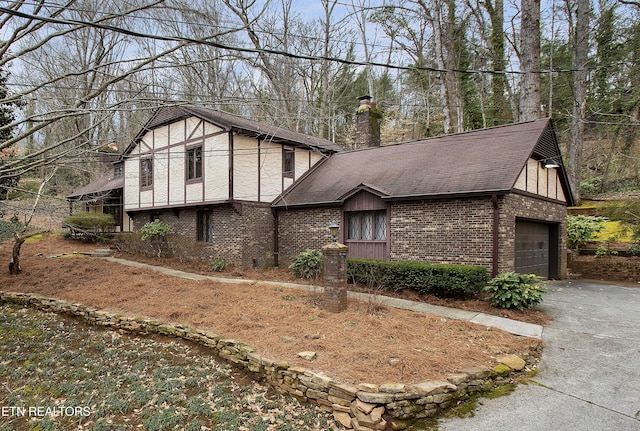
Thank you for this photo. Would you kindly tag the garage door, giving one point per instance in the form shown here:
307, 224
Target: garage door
532, 248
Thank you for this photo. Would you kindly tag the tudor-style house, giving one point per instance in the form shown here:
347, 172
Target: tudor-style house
212, 176
256, 194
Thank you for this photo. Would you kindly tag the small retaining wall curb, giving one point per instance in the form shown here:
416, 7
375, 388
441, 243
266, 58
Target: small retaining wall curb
362, 407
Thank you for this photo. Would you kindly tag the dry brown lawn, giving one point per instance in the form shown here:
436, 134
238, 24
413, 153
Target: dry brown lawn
366, 343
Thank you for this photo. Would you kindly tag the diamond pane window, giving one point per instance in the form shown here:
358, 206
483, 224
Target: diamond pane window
381, 226
354, 226
367, 226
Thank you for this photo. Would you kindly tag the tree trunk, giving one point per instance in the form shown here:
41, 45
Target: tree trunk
580, 58
14, 264
530, 60
499, 113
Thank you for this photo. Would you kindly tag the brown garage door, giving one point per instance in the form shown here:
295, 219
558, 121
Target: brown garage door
532, 248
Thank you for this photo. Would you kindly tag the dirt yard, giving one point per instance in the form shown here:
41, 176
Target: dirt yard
366, 343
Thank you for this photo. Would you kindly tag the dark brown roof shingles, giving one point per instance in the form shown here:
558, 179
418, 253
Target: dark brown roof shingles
481, 161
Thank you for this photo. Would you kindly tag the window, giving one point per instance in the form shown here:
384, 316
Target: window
118, 170
194, 163
288, 162
367, 226
205, 226
146, 172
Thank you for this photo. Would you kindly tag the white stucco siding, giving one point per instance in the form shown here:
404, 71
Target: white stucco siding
216, 168
270, 171
534, 178
160, 138
161, 164
316, 156
146, 199
131, 182
176, 133
302, 162
245, 168
211, 129
176, 170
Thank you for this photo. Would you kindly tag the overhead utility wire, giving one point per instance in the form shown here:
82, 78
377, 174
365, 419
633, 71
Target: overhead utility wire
243, 49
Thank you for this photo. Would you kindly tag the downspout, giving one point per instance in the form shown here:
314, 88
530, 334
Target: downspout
496, 227
276, 242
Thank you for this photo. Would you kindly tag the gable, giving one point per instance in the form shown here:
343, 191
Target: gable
537, 179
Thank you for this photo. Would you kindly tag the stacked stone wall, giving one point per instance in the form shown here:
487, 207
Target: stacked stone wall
362, 406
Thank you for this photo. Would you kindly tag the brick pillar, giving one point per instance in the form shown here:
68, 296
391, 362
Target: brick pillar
335, 277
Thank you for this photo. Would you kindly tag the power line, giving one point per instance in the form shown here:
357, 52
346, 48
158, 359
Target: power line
248, 50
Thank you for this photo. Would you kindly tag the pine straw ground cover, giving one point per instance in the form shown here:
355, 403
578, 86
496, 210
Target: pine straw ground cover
59, 374
364, 344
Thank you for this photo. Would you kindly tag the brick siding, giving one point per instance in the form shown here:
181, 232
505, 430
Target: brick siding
239, 236
300, 229
452, 231
443, 231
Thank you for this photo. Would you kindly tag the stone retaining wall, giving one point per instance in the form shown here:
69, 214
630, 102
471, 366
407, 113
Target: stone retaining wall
362, 407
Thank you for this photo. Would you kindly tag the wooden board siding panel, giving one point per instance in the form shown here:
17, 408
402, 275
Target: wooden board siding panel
368, 250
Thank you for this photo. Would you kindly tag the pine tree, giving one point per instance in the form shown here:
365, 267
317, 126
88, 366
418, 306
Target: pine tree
8, 107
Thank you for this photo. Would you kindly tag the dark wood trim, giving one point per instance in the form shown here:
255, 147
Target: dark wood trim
231, 165
195, 129
540, 197
197, 205
259, 170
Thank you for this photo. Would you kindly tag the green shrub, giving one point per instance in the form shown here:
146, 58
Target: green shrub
605, 250
89, 226
515, 291
156, 230
307, 264
88, 221
581, 229
634, 249
217, 264
446, 281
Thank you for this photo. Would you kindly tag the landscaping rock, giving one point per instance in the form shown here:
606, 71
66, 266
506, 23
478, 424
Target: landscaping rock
513, 361
308, 356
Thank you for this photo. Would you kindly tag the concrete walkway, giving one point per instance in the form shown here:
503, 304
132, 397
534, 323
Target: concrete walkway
508, 325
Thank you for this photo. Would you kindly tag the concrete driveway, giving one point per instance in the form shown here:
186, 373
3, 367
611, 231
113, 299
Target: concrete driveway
589, 376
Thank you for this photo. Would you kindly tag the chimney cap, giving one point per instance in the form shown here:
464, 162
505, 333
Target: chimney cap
365, 97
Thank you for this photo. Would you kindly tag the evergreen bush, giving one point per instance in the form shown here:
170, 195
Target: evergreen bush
445, 281
156, 230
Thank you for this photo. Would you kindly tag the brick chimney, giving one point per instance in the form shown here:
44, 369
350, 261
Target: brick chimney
367, 124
